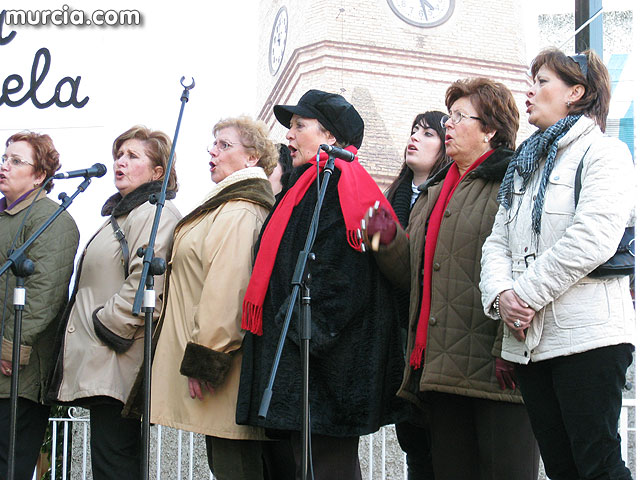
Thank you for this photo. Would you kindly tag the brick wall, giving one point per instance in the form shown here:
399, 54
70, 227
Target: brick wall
388, 69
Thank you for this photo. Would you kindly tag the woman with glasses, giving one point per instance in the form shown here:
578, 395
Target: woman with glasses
479, 426
569, 331
29, 160
101, 344
424, 156
196, 366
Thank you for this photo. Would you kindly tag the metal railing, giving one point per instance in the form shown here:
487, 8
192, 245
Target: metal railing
174, 455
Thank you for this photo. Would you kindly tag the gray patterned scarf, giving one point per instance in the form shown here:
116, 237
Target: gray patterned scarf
543, 143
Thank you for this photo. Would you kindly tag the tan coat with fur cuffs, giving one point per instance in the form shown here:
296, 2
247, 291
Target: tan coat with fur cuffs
200, 335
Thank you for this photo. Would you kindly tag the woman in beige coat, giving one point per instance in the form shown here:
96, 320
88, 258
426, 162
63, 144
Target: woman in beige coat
197, 360
102, 342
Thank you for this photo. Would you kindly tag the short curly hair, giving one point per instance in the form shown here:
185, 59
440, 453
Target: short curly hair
495, 104
254, 136
157, 147
45, 156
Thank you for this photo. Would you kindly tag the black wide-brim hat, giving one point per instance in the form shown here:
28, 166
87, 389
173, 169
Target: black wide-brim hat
331, 110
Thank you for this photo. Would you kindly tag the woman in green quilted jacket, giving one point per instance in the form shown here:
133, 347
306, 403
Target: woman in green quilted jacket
28, 161
479, 425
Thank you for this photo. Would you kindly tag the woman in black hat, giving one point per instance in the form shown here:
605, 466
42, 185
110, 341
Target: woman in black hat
356, 355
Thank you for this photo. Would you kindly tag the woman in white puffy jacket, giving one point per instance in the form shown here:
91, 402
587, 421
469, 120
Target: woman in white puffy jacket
569, 334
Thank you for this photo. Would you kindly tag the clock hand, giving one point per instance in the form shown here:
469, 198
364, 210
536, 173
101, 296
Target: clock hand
423, 4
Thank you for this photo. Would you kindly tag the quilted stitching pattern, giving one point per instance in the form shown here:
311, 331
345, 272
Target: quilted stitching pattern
462, 341
47, 289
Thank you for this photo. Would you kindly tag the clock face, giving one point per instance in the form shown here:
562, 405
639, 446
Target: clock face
278, 40
423, 13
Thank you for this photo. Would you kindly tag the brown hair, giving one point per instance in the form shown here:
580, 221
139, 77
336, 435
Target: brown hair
425, 120
254, 136
157, 147
597, 85
495, 105
45, 156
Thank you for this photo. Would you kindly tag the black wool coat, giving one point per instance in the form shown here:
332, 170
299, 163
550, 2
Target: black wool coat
355, 351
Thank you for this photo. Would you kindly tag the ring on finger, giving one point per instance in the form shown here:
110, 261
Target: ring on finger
517, 323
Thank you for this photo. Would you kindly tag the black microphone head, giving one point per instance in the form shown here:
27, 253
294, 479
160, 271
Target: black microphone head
101, 170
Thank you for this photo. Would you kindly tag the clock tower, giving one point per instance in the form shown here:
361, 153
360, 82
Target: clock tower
392, 59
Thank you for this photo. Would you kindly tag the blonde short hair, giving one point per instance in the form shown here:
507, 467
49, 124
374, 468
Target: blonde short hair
254, 136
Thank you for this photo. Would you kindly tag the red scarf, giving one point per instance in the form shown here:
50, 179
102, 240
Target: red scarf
451, 182
357, 192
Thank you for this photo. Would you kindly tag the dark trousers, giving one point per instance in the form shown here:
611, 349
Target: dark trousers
234, 459
31, 423
333, 457
279, 462
574, 404
478, 439
415, 441
115, 444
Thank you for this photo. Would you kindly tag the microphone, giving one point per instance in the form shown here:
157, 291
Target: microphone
97, 170
340, 153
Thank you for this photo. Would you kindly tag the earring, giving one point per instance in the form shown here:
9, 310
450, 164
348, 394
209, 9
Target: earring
486, 139
568, 103
246, 165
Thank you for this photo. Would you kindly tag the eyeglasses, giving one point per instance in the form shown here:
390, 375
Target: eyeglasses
456, 118
14, 161
222, 145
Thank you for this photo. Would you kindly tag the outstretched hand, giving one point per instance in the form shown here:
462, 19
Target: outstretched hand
378, 227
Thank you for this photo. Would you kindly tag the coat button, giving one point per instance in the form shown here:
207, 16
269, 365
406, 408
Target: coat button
71, 329
436, 266
447, 213
432, 320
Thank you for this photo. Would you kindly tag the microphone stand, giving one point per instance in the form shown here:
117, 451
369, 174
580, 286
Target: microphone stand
153, 266
22, 267
301, 280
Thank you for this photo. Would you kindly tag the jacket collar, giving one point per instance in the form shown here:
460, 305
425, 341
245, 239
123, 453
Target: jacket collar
118, 205
253, 188
492, 169
26, 202
235, 177
583, 126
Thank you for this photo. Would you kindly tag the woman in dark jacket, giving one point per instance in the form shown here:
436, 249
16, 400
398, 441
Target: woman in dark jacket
479, 427
355, 351
424, 155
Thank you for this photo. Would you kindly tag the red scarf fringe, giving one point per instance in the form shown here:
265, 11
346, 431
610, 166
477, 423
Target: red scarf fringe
451, 182
357, 192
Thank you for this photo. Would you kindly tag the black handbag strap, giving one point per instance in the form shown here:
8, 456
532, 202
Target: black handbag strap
578, 180
124, 246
